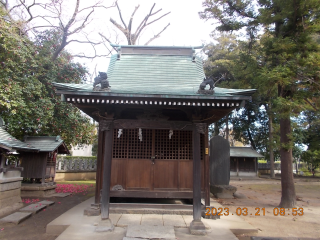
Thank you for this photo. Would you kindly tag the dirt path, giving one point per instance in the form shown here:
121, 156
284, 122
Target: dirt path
266, 193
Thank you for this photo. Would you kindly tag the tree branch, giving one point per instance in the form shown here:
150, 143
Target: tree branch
92, 57
138, 31
158, 35
83, 25
118, 26
142, 26
107, 39
311, 105
124, 24
78, 41
130, 22
4, 4
73, 16
158, 18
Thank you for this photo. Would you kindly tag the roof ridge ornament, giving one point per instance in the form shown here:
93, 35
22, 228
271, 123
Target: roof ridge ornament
193, 55
209, 81
119, 53
102, 80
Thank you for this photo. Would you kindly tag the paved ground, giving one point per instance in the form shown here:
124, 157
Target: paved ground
73, 225
259, 193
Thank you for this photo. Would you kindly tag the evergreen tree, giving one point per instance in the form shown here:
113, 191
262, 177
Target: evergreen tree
291, 60
28, 103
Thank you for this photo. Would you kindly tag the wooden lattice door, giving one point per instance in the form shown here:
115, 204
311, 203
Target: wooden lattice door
158, 162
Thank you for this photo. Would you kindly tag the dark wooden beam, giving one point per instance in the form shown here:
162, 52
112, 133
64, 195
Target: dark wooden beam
154, 194
206, 169
152, 206
152, 124
99, 168
237, 166
197, 129
107, 127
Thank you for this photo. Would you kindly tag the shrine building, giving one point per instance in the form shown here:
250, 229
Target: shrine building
153, 124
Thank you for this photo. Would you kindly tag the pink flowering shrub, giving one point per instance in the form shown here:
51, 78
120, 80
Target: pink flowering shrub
74, 188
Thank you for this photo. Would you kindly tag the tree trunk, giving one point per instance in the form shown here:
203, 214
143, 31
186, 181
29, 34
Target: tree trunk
227, 128
271, 142
253, 145
288, 196
216, 129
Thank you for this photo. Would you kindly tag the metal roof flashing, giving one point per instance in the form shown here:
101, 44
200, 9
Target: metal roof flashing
155, 50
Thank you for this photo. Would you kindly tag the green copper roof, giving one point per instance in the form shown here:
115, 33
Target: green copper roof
244, 152
169, 71
9, 142
45, 143
155, 74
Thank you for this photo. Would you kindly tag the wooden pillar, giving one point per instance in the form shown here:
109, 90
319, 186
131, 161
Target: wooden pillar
237, 167
206, 170
255, 166
44, 168
196, 226
107, 128
99, 167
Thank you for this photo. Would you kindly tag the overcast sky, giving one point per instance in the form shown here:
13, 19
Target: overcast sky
186, 28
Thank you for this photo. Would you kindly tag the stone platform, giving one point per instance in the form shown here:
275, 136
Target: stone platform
74, 225
10, 184
37, 189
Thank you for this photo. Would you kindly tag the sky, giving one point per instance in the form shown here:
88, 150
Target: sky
186, 28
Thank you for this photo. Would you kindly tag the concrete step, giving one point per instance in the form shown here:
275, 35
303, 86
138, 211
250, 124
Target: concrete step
16, 217
33, 208
46, 202
26, 212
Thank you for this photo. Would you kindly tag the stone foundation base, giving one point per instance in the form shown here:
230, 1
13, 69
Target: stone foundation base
223, 191
37, 190
10, 209
197, 228
92, 211
10, 199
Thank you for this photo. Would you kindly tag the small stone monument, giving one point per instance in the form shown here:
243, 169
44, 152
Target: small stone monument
220, 168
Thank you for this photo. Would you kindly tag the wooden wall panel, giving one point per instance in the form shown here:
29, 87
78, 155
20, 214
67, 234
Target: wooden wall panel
186, 180
33, 165
118, 173
138, 174
165, 175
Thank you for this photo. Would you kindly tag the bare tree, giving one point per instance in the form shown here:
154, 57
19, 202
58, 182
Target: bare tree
50, 14
127, 29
